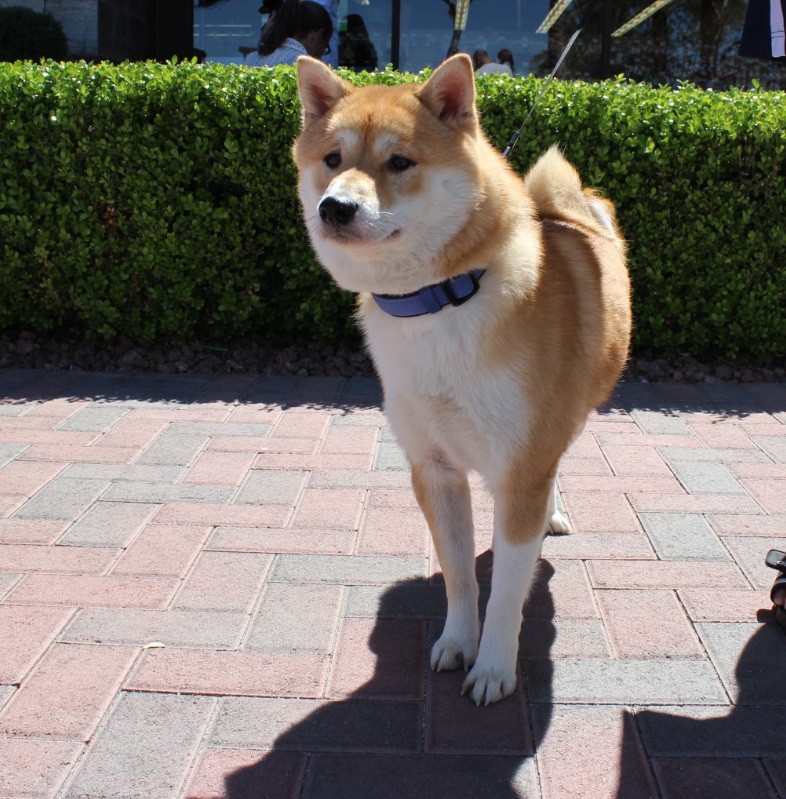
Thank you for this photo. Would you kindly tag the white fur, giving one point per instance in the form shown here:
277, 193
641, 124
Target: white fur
600, 213
384, 146
485, 419
348, 139
494, 674
558, 522
453, 539
425, 224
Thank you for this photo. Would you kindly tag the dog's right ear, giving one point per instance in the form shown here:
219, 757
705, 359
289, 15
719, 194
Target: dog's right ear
319, 87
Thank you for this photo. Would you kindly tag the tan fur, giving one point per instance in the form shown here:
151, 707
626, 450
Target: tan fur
502, 384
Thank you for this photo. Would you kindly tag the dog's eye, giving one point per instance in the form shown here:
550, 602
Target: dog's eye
332, 160
400, 163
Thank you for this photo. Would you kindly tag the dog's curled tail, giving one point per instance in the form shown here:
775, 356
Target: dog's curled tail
555, 187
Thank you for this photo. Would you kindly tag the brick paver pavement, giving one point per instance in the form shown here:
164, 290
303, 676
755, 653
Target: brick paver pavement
222, 587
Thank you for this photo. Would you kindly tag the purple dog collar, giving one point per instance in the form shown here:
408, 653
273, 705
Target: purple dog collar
432, 299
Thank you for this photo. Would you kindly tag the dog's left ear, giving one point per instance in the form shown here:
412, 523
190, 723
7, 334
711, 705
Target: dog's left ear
320, 88
450, 92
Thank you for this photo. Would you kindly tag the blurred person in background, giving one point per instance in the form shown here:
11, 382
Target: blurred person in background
504, 56
295, 28
355, 49
485, 66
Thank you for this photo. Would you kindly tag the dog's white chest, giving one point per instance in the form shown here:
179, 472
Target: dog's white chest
439, 396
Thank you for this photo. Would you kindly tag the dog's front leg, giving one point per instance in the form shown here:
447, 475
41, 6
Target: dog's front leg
444, 496
519, 525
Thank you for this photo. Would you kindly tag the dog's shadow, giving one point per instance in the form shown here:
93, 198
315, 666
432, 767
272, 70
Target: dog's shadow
439, 745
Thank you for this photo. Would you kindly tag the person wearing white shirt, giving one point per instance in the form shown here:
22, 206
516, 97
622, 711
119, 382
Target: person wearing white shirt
484, 65
492, 66
286, 53
297, 28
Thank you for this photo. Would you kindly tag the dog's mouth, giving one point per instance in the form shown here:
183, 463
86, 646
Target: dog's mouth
355, 238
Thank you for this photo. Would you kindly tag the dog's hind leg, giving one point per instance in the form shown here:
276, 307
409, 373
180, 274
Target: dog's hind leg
557, 522
443, 494
520, 511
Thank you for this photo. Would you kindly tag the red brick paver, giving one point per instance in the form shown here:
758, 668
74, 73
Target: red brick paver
67, 693
193, 671
221, 587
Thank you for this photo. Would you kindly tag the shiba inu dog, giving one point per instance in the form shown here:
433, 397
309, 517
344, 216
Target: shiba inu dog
496, 309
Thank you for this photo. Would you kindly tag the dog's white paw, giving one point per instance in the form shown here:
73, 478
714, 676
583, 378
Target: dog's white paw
489, 683
559, 524
450, 652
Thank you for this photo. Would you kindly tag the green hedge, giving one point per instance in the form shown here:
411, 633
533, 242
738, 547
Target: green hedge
158, 202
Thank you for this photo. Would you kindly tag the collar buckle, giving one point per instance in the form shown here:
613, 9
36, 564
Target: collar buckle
447, 287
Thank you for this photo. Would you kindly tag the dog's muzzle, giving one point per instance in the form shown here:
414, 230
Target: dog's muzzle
337, 212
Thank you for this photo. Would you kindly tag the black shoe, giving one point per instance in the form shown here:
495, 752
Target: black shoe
777, 560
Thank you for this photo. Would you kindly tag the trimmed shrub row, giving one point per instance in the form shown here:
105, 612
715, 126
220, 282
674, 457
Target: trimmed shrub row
158, 202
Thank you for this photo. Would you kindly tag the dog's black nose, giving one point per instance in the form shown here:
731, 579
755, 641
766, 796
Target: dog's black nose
337, 212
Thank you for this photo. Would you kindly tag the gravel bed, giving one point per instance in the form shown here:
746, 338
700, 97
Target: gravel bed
30, 351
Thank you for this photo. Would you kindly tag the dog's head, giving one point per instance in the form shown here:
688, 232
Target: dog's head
388, 175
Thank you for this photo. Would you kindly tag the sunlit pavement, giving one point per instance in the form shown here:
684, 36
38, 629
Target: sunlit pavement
222, 587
